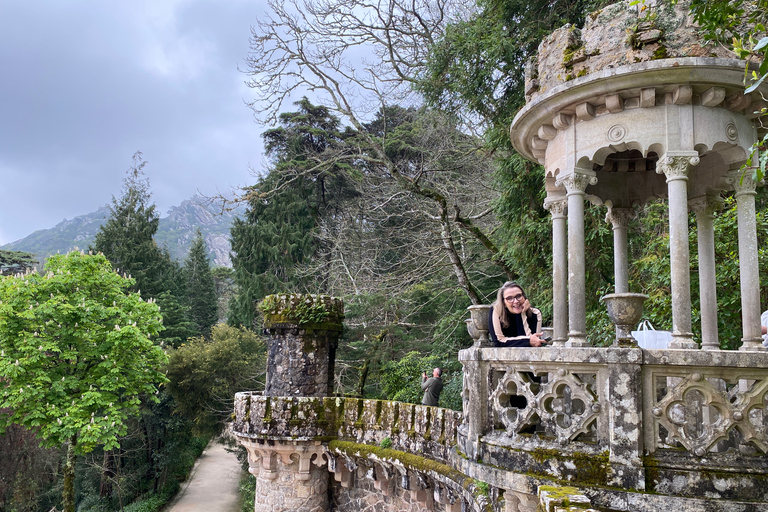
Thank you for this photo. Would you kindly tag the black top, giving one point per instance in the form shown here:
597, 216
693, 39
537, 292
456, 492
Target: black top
515, 330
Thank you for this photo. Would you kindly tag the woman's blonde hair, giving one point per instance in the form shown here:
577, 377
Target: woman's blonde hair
499, 308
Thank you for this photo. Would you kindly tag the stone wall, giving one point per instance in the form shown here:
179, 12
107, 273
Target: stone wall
366, 497
617, 35
411, 428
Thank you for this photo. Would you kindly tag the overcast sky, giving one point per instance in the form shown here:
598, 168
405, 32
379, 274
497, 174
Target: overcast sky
86, 83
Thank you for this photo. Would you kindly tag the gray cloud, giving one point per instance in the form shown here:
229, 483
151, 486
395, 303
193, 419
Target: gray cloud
84, 84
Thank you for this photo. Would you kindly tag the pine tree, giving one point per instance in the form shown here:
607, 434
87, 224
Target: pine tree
280, 224
201, 288
127, 240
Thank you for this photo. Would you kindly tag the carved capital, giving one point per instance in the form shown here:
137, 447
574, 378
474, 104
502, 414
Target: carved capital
577, 182
743, 182
620, 217
705, 205
676, 167
557, 208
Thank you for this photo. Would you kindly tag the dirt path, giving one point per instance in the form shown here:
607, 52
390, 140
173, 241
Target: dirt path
212, 485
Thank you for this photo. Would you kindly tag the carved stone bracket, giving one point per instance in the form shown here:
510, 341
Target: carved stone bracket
557, 208
619, 217
706, 205
264, 459
742, 182
577, 182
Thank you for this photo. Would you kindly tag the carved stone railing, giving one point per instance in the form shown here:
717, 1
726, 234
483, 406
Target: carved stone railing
399, 450
681, 423
411, 428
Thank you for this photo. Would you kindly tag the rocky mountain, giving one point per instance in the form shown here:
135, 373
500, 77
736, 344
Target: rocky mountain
176, 232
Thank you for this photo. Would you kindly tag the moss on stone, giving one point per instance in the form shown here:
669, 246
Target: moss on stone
414, 462
314, 312
660, 52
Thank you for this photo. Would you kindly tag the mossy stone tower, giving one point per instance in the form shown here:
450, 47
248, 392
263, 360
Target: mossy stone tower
302, 335
303, 332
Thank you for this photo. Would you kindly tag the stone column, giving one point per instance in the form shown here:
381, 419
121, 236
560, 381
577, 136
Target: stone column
619, 218
675, 167
557, 208
575, 184
749, 271
705, 208
475, 401
303, 332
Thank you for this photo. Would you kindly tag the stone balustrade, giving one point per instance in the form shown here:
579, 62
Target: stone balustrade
682, 423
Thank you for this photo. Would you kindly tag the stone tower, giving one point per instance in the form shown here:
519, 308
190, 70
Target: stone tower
302, 335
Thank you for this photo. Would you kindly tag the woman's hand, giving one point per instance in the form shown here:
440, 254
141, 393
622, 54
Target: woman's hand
526, 307
536, 340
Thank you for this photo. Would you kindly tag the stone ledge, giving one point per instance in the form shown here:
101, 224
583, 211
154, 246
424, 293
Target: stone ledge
411, 428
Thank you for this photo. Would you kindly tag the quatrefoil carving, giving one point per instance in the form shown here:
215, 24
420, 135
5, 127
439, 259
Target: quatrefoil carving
563, 404
698, 416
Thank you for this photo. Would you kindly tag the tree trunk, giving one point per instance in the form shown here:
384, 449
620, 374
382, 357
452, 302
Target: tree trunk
362, 379
69, 477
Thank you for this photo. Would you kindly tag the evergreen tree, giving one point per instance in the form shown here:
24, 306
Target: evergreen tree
201, 288
279, 227
14, 262
127, 238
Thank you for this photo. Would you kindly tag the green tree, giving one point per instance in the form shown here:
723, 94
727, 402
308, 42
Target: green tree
205, 374
278, 230
127, 237
201, 287
127, 240
13, 262
76, 356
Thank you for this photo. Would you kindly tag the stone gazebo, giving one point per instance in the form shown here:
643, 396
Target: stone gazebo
628, 109
611, 126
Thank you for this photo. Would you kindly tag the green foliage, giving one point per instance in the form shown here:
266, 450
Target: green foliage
205, 374
201, 288
247, 490
477, 67
178, 326
302, 312
401, 379
76, 354
127, 240
386, 443
14, 262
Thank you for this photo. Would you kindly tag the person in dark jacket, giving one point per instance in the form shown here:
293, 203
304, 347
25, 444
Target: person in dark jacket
512, 322
432, 387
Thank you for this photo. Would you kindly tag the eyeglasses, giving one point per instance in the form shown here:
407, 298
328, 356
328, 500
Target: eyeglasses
515, 298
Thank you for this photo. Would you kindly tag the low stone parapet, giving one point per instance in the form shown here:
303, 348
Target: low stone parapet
409, 428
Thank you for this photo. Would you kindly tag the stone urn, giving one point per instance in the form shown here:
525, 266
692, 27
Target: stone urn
479, 324
625, 311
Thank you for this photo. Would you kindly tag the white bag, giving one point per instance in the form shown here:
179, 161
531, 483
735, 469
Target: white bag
648, 337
